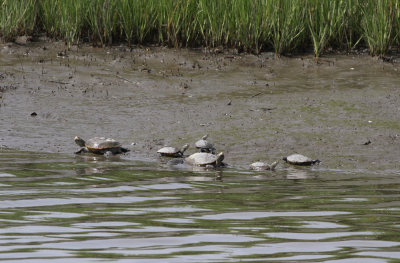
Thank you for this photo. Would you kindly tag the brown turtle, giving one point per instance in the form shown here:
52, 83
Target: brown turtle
100, 145
262, 166
205, 146
172, 151
206, 159
299, 159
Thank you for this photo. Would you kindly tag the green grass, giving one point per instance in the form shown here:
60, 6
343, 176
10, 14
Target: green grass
325, 20
281, 26
136, 20
378, 24
286, 23
63, 19
17, 18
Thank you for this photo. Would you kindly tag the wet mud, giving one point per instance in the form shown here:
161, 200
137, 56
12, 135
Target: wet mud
343, 109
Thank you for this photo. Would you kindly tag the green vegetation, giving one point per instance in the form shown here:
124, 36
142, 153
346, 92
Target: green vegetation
62, 18
250, 25
377, 23
325, 20
17, 18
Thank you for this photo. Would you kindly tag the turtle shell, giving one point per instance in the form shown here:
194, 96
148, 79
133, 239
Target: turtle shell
202, 159
203, 144
169, 151
97, 144
258, 166
172, 151
300, 159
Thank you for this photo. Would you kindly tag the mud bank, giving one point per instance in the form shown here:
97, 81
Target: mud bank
343, 110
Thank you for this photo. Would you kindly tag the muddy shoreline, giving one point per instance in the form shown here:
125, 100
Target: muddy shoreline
343, 110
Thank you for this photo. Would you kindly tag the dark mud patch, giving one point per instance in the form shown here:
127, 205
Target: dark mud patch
343, 110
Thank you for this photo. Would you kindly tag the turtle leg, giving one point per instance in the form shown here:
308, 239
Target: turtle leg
108, 153
124, 150
82, 150
209, 166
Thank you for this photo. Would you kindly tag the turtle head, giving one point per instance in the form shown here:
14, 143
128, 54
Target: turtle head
204, 137
184, 148
220, 158
79, 141
316, 161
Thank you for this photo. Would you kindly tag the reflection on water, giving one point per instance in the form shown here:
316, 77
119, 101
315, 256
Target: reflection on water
57, 208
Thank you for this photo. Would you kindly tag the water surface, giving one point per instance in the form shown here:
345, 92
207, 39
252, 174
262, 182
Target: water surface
59, 208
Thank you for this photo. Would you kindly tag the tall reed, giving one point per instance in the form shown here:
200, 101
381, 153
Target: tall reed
102, 20
396, 23
213, 19
251, 25
286, 21
325, 20
17, 18
64, 18
350, 34
377, 25
248, 25
136, 19
181, 21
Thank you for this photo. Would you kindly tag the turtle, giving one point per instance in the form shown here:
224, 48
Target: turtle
299, 159
205, 146
261, 166
206, 159
100, 145
172, 151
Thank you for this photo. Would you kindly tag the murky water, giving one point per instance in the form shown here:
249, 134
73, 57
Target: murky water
92, 209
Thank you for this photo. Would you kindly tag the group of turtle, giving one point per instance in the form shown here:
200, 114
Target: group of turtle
205, 157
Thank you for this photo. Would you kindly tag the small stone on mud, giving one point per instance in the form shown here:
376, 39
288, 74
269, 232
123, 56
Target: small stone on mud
62, 54
184, 85
33, 114
23, 40
367, 142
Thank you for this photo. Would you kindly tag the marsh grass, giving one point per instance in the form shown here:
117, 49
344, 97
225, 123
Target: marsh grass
17, 18
349, 34
136, 19
325, 20
251, 25
213, 19
103, 21
378, 24
248, 25
63, 19
180, 21
286, 22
